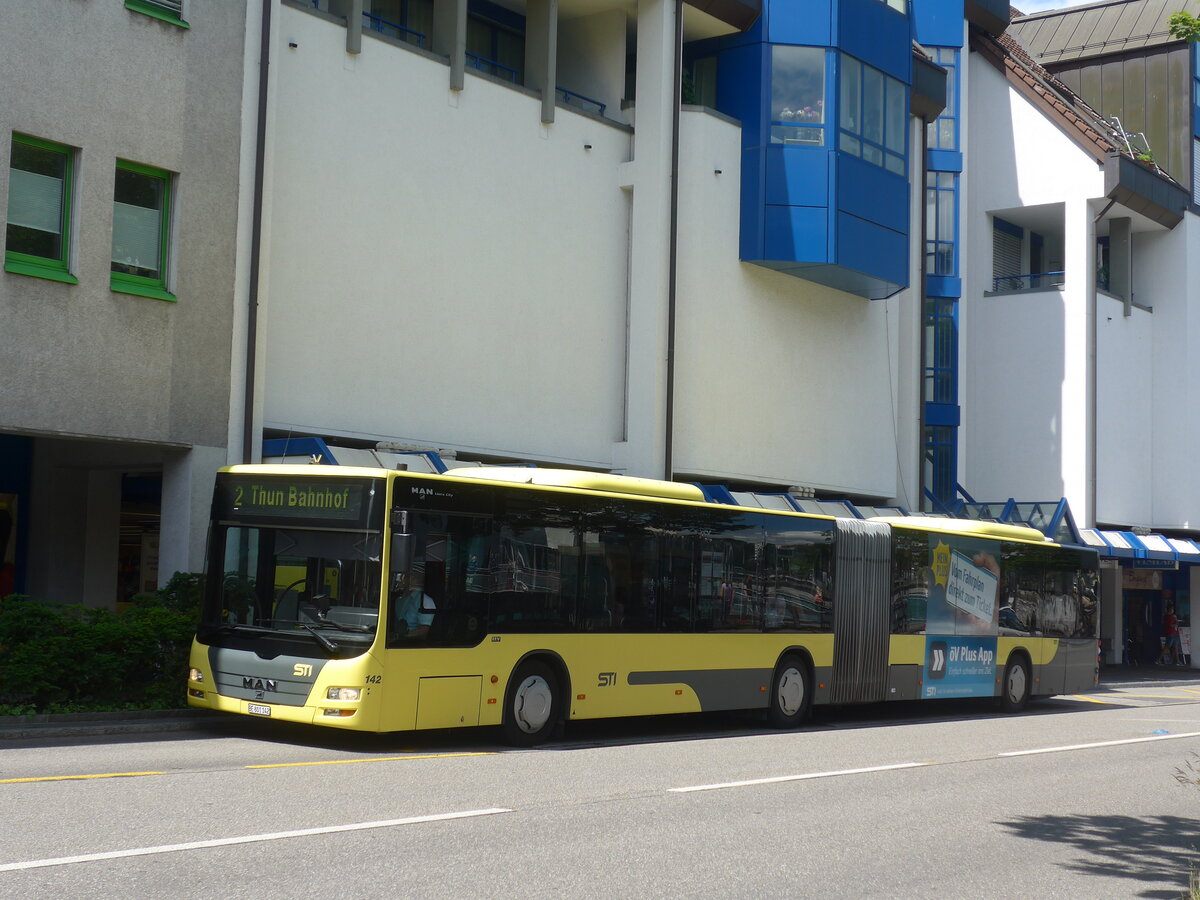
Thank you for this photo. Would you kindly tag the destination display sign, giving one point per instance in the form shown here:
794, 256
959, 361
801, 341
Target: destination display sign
282, 497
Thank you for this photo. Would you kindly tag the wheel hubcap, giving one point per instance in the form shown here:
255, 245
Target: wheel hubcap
531, 704
1016, 684
790, 691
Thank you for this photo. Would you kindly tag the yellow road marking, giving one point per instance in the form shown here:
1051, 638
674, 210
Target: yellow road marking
342, 762
1090, 699
78, 777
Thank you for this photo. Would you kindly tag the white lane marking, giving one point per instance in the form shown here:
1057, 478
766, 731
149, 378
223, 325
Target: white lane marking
781, 778
244, 839
1141, 740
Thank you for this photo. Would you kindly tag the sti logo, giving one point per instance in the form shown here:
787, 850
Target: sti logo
938, 654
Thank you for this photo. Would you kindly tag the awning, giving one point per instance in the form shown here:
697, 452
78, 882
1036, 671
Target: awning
1118, 546
1157, 547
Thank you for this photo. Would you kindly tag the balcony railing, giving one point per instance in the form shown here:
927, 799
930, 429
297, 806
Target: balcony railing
493, 68
392, 29
1029, 282
570, 98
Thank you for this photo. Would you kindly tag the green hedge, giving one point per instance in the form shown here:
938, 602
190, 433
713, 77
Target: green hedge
56, 658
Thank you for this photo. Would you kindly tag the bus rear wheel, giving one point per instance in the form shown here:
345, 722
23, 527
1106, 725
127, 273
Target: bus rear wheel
790, 694
1014, 690
532, 705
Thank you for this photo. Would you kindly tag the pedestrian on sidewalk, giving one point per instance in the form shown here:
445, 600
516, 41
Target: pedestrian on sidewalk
1171, 650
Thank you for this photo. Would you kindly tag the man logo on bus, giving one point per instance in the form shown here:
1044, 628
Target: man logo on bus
259, 684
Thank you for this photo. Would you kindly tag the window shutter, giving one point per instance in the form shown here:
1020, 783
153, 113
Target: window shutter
1196, 172
1006, 260
175, 6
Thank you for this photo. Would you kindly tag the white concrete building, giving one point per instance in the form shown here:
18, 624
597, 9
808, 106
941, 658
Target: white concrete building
445, 268
1080, 337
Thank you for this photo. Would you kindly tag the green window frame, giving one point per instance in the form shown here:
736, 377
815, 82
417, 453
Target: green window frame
38, 224
165, 10
141, 230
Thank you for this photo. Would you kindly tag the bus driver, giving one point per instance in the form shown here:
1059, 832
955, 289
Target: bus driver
412, 608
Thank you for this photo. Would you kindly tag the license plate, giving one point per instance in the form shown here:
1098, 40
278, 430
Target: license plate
257, 709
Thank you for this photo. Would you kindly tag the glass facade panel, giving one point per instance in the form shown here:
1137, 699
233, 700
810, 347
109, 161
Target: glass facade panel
797, 95
850, 95
873, 118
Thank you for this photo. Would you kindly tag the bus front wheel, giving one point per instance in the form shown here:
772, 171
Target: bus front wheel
1014, 690
532, 705
790, 694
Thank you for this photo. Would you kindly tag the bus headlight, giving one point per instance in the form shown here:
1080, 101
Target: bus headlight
343, 693
195, 675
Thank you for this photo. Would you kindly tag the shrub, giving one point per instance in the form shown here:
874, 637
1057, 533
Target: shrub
58, 658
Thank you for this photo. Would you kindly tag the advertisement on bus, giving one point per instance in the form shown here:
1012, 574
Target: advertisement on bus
962, 618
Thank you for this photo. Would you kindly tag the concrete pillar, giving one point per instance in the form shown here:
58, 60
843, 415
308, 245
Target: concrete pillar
1077, 407
541, 52
102, 535
188, 479
450, 37
1112, 625
1120, 260
353, 12
57, 513
649, 177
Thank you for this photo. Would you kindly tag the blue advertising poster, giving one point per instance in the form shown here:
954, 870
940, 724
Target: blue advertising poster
959, 667
949, 589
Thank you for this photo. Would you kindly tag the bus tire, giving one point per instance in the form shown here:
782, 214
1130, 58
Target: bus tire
532, 705
791, 693
1014, 689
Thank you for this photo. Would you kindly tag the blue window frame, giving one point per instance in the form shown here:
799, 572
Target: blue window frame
940, 466
940, 469
1196, 90
941, 350
872, 115
942, 132
941, 223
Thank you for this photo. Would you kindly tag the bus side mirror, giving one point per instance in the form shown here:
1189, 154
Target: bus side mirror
402, 545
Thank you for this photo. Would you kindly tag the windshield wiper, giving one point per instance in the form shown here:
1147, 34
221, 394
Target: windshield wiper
321, 639
254, 630
343, 626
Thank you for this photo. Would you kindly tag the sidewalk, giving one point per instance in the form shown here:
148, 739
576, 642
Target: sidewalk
1151, 674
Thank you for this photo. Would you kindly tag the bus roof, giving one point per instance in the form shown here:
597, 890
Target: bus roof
967, 526
589, 481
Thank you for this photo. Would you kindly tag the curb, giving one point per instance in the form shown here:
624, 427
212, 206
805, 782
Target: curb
16, 728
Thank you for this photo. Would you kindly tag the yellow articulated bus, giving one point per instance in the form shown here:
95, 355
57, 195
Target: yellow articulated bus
381, 601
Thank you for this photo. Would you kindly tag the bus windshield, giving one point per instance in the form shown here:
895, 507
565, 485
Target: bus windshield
317, 584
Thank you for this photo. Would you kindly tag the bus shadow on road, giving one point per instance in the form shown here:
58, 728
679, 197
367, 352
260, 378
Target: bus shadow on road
594, 733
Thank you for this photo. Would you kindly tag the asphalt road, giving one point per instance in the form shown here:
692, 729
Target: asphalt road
1076, 798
